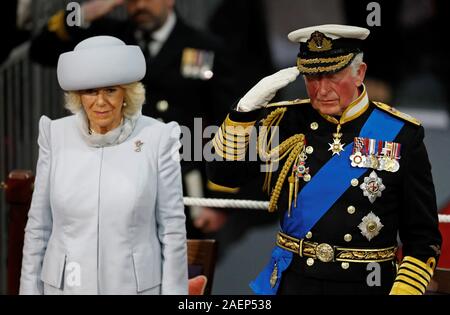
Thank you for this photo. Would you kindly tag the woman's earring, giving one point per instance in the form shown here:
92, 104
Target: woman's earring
124, 104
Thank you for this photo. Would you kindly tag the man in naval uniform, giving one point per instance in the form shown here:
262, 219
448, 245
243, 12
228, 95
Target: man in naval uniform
347, 175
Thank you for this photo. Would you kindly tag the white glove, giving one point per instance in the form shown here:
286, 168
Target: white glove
261, 94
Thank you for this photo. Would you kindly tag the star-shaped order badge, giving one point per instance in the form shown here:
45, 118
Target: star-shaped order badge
336, 147
372, 186
370, 226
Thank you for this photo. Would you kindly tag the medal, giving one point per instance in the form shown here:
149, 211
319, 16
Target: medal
376, 154
370, 226
337, 147
358, 160
372, 187
299, 170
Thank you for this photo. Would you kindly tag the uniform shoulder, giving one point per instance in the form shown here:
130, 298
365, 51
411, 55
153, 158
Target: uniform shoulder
395, 112
277, 110
290, 103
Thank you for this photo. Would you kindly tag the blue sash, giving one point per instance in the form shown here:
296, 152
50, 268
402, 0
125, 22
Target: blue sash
319, 195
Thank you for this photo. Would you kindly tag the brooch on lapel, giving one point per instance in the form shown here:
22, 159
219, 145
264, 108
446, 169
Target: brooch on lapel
138, 145
376, 154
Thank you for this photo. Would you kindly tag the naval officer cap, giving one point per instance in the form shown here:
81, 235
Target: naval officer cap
100, 61
327, 48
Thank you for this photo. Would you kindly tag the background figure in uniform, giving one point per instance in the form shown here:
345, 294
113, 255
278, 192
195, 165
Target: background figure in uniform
12, 25
249, 51
107, 210
346, 176
188, 79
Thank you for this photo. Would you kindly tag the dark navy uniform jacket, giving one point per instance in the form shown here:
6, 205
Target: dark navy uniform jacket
407, 205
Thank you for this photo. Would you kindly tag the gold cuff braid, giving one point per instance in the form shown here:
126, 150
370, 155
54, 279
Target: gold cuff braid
232, 138
413, 276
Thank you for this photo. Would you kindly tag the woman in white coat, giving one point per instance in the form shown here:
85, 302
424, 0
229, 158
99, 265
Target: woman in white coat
107, 213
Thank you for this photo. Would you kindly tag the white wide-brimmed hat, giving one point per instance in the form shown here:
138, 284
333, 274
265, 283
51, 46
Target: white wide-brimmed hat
100, 61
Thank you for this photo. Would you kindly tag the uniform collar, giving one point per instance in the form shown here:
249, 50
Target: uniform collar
353, 111
164, 31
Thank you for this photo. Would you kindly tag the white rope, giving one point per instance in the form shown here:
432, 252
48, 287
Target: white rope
250, 204
444, 218
226, 203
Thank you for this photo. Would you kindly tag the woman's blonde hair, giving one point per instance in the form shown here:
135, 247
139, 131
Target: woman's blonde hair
134, 97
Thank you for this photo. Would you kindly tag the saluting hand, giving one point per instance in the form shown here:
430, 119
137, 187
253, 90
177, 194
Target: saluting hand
95, 9
261, 94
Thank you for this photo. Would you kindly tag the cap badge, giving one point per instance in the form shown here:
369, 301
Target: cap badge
319, 42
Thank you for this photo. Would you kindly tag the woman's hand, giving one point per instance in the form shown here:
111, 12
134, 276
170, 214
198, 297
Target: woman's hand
210, 220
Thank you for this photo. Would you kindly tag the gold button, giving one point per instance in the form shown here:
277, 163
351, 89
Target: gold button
307, 177
345, 265
355, 182
348, 237
314, 126
351, 209
309, 235
309, 149
310, 262
371, 226
162, 106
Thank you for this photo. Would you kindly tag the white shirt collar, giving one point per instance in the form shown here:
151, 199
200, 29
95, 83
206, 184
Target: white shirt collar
164, 31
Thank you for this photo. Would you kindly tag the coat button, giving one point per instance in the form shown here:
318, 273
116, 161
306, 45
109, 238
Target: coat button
348, 237
307, 177
310, 262
351, 210
345, 265
308, 235
354, 182
314, 126
162, 106
309, 149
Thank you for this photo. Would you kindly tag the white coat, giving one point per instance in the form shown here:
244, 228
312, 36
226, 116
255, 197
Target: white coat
108, 219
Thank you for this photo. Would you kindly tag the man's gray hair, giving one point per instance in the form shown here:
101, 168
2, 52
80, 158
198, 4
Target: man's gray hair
356, 62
